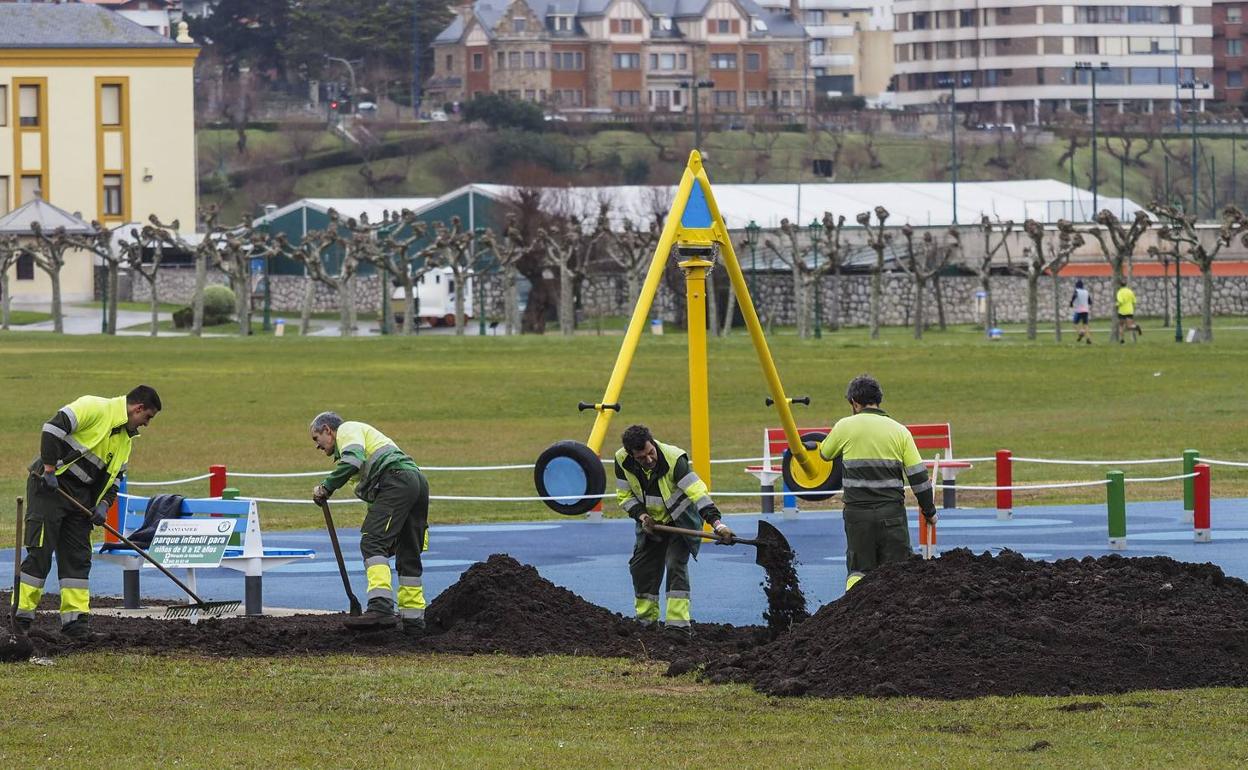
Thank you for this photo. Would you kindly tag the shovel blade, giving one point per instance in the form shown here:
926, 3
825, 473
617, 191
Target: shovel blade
210, 609
772, 545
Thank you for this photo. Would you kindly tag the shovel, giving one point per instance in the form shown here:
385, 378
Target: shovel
342, 567
17, 645
211, 609
770, 542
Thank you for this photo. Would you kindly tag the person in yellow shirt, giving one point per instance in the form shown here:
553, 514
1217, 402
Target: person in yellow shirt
1125, 299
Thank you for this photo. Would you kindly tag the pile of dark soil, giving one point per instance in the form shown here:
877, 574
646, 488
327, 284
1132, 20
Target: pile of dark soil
965, 625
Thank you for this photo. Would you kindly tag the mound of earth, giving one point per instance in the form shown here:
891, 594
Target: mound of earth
964, 625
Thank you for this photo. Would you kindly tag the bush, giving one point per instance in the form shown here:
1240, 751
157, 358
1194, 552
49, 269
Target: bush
497, 111
218, 305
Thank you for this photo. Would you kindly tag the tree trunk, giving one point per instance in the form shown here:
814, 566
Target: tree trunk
1119, 281
110, 296
634, 280
1165, 299
1206, 302
197, 301
985, 283
919, 285
242, 301
309, 296
940, 300
4, 300
461, 291
1033, 301
834, 301
712, 302
346, 299
58, 323
539, 301
155, 303
876, 298
1057, 309
409, 304
511, 301
567, 302
731, 310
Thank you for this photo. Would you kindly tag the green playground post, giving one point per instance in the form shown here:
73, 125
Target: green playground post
1190, 456
1116, 500
230, 493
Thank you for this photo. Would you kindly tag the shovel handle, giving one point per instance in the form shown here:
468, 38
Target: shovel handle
17, 568
342, 567
130, 544
698, 533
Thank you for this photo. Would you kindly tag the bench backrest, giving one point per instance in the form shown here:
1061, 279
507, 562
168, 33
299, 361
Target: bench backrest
131, 510
935, 435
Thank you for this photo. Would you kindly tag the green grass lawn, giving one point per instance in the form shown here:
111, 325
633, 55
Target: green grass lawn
495, 711
23, 317
246, 403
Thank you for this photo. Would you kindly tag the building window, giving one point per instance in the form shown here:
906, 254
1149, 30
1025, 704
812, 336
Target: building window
530, 95
754, 99
920, 20
530, 60
812, 17
26, 267
4, 105
1085, 45
4, 195
661, 98
449, 60
968, 48
723, 26
112, 195
1234, 79
966, 18
626, 98
568, 60
478, 62
502, 60
517, 25
723, 61
754, 62
790, 61
513, 60
28, 104
626, 61
1235, 47
1234, 14
32, 187
725, 98
627, 27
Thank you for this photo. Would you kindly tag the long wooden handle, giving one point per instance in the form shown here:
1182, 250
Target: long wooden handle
17, 565
130, 544
698, 533
342, 566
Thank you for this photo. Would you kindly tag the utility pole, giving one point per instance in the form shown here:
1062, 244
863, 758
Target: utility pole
693, 87
1104, 66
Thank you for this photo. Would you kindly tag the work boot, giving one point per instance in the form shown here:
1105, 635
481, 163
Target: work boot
379, 614
79, 630
23, 625
678, 633
413, 626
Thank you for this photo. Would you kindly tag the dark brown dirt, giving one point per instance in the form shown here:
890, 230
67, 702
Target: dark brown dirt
954, 627
786, 603
965, 625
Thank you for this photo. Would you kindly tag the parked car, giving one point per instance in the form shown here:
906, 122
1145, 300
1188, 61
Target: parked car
438, 116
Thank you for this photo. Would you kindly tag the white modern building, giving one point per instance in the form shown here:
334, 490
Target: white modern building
1021, 60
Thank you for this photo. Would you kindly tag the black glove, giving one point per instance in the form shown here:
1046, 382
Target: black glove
50, 481
100, 514
320, 494
930, 516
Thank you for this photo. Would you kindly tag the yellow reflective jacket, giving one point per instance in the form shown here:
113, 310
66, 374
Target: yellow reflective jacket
95, 442
363, 453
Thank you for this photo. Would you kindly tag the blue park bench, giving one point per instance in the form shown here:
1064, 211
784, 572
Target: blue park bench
245, 552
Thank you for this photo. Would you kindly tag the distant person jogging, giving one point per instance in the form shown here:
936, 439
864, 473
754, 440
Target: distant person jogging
1125, 300
1081, 303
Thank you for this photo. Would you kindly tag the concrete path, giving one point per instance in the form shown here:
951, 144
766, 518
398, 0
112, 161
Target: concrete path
592, 558
86, 319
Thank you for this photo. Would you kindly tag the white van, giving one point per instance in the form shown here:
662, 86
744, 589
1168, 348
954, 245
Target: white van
435, 299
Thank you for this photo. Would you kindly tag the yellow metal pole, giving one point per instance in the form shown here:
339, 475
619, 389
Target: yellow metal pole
811, 464
699, 404
640, 313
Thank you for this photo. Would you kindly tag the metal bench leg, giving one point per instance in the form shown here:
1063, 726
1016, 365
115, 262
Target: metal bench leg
950, 492
766, 492
254, 601
130, 589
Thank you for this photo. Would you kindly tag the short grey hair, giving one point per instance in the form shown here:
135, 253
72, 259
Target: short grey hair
325, 420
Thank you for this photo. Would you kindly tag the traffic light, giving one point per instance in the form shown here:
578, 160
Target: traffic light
333, 105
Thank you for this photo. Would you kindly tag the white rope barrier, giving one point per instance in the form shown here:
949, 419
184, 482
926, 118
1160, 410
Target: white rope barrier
1096, 462
969, 459
1064, 485
307, 474
1161, 478
1230, 463
171, 483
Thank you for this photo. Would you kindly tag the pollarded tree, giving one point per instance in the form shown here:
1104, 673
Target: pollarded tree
878, 240
456, 249
508, 251
923, 261
229, 249
833, 248
1180, 229
1120, 249
1039, 260
309, 252
792, 249
100, 243
996, 238
49, 255
400, 258
10, 251
1068, 241
570, 247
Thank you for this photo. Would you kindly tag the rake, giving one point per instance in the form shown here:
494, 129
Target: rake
191, 611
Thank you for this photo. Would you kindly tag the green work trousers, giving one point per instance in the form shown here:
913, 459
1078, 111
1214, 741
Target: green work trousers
874, 536
55, 529
652, 556
395, 526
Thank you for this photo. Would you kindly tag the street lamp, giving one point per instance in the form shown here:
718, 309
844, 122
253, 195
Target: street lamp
1195, 165
1103, 67
816, 229
693, 87
752, 231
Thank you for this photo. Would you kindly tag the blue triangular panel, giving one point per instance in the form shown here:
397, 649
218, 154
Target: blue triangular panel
697, 213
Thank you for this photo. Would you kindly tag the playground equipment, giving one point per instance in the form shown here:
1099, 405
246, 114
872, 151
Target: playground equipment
569, 474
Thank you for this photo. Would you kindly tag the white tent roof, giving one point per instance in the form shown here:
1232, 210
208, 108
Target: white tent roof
915, 203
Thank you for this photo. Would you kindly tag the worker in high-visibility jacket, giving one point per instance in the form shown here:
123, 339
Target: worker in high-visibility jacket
655, 484
879, 457
397, 521
83, 450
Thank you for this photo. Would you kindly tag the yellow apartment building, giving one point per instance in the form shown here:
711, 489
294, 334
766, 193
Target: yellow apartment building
97, 118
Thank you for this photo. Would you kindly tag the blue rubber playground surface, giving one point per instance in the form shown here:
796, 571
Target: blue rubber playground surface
591, 558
